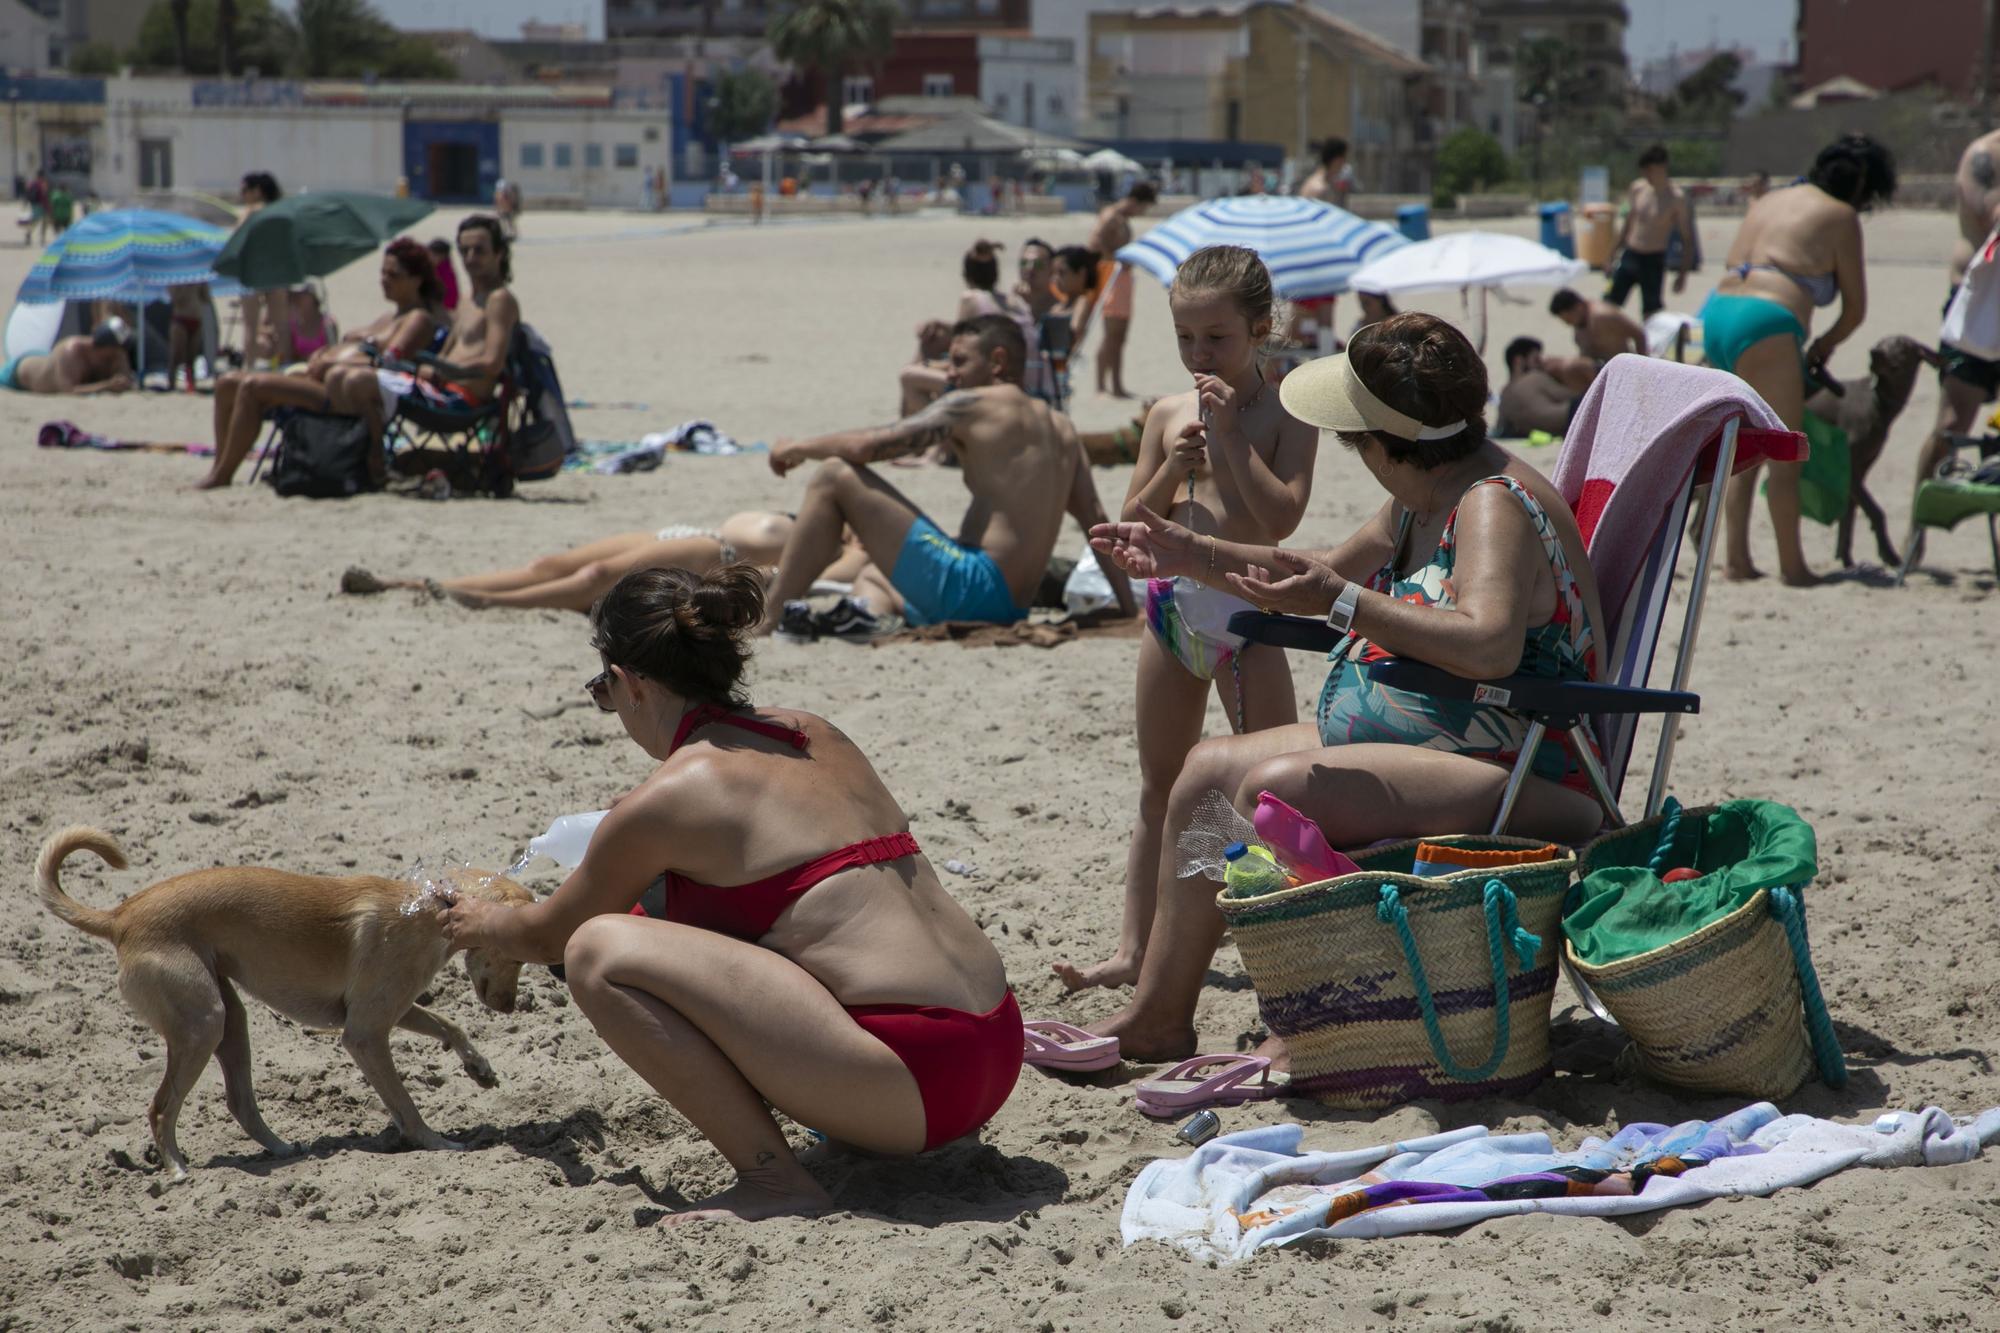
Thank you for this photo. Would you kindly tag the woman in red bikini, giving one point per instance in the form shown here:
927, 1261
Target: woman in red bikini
807, 959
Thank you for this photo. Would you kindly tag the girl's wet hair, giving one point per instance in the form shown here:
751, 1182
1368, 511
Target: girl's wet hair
1082, 260
1424, 368
982, 265
1233, 271
1855, 170
684, 630
415, 259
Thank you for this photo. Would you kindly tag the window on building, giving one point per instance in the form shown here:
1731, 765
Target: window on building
857, 88
1234, 126
531, 156
626, 155
593, 155
156, 164
562, 155
1000, 105
937, 85
1055, 104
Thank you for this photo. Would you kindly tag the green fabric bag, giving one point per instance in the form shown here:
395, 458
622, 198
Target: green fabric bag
1623, 908
1824, 480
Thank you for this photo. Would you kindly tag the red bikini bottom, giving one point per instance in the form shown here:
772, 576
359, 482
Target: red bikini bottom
965, 1064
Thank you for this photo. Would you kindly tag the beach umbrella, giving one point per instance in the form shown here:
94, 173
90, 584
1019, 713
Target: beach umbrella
1463, 260
1468, 261
1113, 161
1053, 159
311, 235
126, 254
1312, 249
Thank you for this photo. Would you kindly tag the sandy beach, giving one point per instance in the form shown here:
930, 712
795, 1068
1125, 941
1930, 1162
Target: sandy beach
183, 672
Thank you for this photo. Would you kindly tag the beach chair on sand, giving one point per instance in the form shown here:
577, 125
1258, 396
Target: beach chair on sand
1959, 491
1664, 428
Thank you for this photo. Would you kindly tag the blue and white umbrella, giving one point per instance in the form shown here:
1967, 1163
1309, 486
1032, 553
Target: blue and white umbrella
128, 254
1311, 248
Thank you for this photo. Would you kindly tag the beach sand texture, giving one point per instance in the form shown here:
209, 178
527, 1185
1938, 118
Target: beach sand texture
182, 671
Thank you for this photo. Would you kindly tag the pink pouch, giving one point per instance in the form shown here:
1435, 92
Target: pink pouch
1298, 842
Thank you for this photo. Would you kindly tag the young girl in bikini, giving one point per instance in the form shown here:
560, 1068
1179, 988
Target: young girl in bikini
1226, 459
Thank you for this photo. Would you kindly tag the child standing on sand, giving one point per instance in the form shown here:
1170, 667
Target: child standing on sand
1228, 461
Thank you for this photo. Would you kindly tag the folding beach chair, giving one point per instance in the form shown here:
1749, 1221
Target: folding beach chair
1959, 491
1729, 430
522, 433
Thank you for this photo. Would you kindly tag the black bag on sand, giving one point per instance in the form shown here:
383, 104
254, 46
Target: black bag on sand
321, 456
535, 451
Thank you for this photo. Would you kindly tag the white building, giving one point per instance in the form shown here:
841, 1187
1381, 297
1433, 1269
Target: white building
28, 41
1030, 81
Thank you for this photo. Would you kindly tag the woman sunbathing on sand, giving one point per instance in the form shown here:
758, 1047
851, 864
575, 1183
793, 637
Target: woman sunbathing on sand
809, 960
575, 579
412, 324
1473, 564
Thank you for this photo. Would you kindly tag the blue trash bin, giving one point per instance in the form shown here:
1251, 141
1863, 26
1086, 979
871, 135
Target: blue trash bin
1558, 233
1414, 221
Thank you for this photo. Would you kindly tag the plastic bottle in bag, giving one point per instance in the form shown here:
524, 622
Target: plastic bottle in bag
1252, 870
567, 839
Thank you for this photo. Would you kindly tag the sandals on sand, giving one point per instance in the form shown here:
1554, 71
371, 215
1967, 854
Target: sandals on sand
1049, 1043
1210, 1080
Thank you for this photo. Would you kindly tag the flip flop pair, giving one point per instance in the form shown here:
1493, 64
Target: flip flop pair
1049, 1043
1210, 1080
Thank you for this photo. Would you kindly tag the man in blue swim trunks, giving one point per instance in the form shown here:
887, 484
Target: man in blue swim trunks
80, 364
1021, 461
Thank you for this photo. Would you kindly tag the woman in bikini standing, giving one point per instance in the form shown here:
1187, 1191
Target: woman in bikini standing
1798, 249
833, 978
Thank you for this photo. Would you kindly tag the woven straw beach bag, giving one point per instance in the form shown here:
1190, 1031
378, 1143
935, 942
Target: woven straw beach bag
1733, 1007
1389, 987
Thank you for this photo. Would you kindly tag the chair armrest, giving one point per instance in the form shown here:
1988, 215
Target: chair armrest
1560, 703
1299, 634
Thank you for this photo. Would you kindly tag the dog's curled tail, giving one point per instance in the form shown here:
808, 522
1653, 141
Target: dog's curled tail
57, 850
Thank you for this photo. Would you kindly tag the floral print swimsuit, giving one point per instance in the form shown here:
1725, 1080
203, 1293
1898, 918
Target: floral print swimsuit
1355, 709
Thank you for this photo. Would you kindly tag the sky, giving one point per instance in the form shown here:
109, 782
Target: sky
1657, 25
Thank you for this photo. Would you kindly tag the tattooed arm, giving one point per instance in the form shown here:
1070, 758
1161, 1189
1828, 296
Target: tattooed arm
933, 425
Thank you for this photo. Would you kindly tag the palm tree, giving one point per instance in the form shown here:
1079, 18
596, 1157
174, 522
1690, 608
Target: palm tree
225, 36
831, 37
178, 10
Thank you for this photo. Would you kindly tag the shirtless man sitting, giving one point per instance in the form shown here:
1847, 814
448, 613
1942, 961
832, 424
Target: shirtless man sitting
467, 369
1537, 396
1022, 463
1966, 382
80, 364
1655, 209
1602, 332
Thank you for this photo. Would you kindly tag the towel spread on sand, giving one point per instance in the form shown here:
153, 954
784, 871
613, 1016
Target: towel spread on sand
1636, 435
617, 457
69, 435
1237, 1194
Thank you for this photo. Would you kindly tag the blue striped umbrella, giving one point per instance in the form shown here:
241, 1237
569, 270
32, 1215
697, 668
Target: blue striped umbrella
1312, 249
128, 254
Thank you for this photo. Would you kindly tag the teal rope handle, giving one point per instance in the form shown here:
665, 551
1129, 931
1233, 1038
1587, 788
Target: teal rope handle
1788, 905
1503, 930
1670, 829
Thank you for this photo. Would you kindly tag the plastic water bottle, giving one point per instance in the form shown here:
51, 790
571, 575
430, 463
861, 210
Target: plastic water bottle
567, 839
1252, 870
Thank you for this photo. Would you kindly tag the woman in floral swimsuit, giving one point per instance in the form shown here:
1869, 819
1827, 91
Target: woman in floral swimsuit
1473, 564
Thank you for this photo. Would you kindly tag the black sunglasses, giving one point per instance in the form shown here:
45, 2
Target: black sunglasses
599, 689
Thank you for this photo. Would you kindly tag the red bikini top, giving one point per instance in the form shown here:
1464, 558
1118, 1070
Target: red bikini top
748, 911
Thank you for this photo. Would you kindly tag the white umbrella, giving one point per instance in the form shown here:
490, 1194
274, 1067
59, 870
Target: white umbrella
1053, 159
1465, 261
1113, 161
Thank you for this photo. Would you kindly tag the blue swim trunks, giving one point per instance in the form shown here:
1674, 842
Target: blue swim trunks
941, 579
9, 373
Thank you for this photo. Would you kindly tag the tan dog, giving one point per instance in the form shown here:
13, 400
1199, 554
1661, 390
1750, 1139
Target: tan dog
337, 953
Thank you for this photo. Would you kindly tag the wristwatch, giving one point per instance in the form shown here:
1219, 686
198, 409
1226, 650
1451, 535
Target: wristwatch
1341, 615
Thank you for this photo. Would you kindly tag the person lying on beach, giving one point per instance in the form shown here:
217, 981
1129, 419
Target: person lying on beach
411, 325
464, 373
1473, 564
1227, 459
1022, 463
834, 979
575, 579
80, 364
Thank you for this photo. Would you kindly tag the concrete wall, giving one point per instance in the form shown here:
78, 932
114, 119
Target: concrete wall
25, 37
1030, 82
326, 148
606, 183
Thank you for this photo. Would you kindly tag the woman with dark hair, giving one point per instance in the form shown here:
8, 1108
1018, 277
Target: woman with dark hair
1798, 249
266, 314
1473, 563
415, 322
924, 379
806, 959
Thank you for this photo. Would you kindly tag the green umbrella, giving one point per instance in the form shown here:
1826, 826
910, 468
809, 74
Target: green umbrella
310, 235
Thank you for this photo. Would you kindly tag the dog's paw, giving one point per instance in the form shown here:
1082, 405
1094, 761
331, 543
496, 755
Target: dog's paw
431, 1141
482, 1074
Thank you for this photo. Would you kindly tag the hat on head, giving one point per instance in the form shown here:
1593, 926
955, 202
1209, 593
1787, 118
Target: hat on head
1329, 394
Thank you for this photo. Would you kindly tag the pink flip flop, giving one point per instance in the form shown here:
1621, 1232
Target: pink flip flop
1049, 1043
1189, 1087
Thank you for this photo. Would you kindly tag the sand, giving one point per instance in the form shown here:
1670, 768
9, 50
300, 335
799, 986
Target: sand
182, 672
